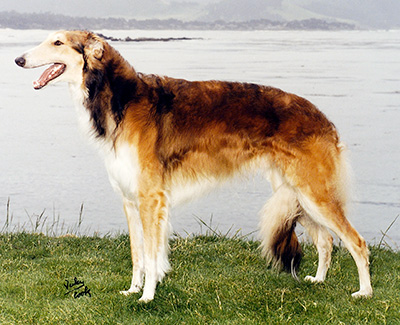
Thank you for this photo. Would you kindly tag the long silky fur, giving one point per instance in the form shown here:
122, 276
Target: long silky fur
165, 139
286, 248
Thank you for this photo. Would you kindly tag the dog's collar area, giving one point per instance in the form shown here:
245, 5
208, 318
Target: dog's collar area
51, 73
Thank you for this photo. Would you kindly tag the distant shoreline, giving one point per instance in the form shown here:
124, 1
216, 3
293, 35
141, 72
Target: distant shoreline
147, 39
16, 20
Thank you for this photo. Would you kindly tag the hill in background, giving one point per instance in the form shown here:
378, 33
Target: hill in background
361, 13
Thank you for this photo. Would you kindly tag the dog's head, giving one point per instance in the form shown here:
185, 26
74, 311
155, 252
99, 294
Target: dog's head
68, 53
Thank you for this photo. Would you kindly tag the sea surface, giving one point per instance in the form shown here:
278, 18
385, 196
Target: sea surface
48, 169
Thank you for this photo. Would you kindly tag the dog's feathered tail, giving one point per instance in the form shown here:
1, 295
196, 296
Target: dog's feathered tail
279, 242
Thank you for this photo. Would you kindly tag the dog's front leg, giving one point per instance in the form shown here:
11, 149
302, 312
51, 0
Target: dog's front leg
154, 214
136, 243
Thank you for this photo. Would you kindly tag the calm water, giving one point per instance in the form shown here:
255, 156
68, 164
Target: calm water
353, 77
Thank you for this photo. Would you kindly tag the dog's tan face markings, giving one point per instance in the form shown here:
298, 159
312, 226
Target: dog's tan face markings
60, 52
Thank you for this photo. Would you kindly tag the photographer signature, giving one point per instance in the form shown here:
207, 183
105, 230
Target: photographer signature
77, 287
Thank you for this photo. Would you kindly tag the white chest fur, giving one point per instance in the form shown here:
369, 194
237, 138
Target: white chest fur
123, 169
79, 96
121, 162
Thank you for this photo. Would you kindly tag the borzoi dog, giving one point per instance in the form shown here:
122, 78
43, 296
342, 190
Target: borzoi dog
165, 139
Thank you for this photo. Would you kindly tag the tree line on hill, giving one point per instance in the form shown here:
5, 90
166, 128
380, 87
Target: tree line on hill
15, 20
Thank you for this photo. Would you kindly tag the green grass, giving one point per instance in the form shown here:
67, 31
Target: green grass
214, 280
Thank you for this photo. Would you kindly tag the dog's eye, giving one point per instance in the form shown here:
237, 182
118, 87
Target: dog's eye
58, 43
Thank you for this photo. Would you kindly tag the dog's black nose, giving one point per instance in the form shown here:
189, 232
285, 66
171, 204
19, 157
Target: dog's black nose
20, 61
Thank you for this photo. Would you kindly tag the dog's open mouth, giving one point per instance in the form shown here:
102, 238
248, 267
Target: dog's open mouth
51, 73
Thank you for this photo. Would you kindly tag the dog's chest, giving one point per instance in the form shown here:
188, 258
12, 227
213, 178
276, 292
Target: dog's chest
79, 96
121, 161
123, 169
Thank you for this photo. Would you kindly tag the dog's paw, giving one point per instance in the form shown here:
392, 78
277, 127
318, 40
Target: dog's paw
313, 279
365, 293
146, 298
131, 290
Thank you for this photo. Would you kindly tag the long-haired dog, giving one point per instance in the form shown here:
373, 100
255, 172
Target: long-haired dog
166, 139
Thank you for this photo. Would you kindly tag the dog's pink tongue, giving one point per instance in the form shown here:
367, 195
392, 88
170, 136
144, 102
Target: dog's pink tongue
49, 74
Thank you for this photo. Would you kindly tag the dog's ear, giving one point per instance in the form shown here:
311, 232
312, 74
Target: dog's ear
94, 47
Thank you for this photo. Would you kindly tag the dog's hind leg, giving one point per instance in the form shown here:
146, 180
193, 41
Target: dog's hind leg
321, 190
154, 213
330, 215
136, 243
323, 242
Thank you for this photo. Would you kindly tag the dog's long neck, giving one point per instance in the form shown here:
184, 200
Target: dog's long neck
111, 84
